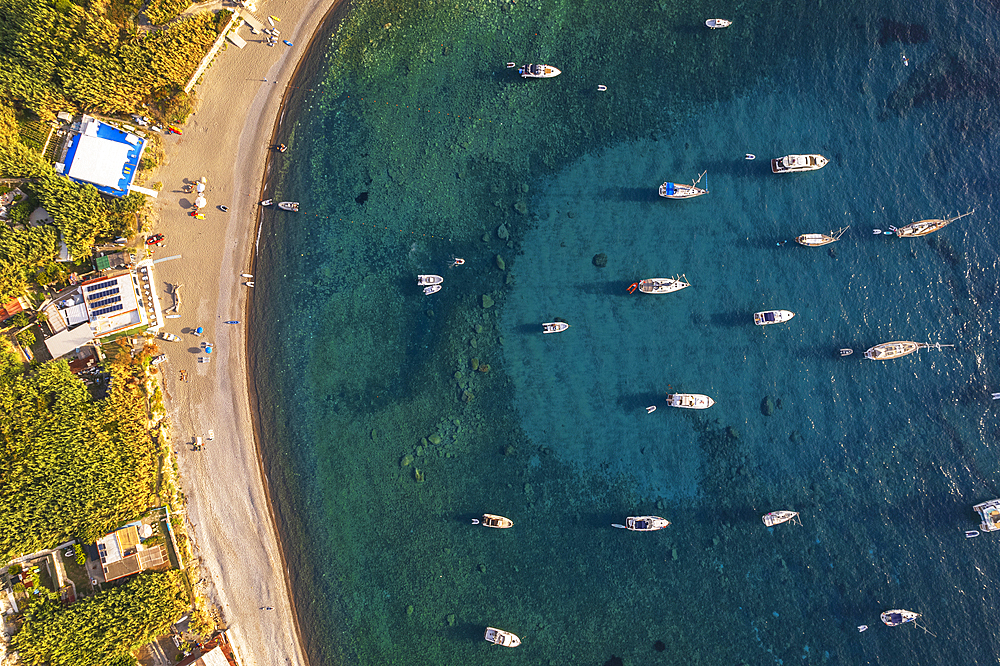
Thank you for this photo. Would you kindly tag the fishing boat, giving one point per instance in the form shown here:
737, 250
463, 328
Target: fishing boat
267, 202
424, 280
501, 637
289, 205
689, 400
990, 512
792, 163
772, 317
169, 337
778, 517
643, 524
896, 617
663, 285
718, 23
432, 289
493, 520
924, 227
538, 72
681, 190
891, 350
554, 327
816, 240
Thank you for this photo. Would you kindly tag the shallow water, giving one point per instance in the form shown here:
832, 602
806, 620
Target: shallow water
418, 145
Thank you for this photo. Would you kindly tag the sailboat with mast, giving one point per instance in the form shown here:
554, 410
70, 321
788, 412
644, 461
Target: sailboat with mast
890, 350
683, 191
816, 240
924, 227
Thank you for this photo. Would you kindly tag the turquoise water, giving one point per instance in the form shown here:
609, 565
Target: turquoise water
412, 144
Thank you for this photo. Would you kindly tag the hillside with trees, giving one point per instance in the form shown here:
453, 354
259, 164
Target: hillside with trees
71, 466
102, 629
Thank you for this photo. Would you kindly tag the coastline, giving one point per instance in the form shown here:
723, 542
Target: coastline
233, 525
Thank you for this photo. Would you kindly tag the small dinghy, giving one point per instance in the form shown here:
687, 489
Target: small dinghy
750, 156
501, 637
896, 617
424, 280
772, 317
249, 284
718, 23
493, 520
267, 202
292, 206
538, 72
972, 534
643, 524
554, 327
778, 517
431, 289
246, 275
846, 352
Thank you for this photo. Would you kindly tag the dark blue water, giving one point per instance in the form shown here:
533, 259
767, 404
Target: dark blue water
385, 436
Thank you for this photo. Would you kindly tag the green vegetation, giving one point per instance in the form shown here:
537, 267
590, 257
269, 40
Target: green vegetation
101, 629
160, 12
72, 465
56, 55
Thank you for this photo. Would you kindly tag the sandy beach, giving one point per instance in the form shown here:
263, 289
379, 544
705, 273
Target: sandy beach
227, 142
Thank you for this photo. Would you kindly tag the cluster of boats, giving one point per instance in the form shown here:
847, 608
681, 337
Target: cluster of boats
291, 206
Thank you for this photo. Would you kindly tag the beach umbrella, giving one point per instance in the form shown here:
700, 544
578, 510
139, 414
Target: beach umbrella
200, 202
199, 330
208, 349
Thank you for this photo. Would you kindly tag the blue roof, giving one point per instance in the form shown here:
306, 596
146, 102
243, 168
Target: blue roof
130, 167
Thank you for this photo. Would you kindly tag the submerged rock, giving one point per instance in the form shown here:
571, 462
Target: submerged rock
501, 264
434, 439
406, 461
600, 260
767, 406
502, 232
487, 301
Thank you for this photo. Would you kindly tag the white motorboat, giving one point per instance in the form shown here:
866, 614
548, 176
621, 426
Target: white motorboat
778, 517
493, 520
432, 289
990, 512
424, 280
772, 317
538, 72
249, 284
292, 206
817, 240
924, 227
890, 350
718, 23
663, 285
267, 202
689, 400
896, 617
554, 327
792, 163
643, 524
682, 190
501, 637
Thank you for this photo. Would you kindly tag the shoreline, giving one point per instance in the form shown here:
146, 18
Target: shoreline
233, 525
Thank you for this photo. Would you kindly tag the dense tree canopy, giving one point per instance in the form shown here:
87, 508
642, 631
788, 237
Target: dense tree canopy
70, 466
100, 629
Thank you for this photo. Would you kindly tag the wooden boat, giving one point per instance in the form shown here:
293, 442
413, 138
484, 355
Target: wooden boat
499, 522
772, 317
896, 617
169, 337
816, 240
501, 637
891, 350
793, 163
683, 191
718, 23
424, 280
778, 517
689, 400
663, 285
643, 523
538, 72
554, 327
990, 512
924, 227
292, 206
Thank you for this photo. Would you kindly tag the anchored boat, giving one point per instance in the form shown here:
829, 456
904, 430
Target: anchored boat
292, 206
990, 512
501, 637
891, 350
896, 617
169, 337
538, 72
425, 280
663, 285
772, 317
492, 520
924, 227
718, 23
682, 190
816, 240
554, 327
778, 517
643, 524
793, 163
689, 400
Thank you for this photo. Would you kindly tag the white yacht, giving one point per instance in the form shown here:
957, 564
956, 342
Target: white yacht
682, 190
896, 617
689, 400
663, 285
643, 523
772, 317
501, 637
990, 512
791, 163
890, 350
538, 72
718, 23
778, 517
554, 327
